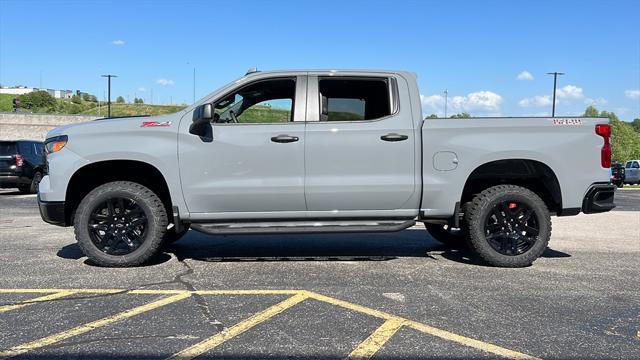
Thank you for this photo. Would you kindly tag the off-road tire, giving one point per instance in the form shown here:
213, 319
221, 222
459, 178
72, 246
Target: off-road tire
153, 208
478, 211
35, 182
441, 233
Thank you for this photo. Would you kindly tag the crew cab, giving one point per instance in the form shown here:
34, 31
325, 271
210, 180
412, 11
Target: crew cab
322, 151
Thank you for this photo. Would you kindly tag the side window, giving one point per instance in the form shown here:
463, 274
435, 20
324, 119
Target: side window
628, 165
268, 101
38, 149
636, 165
354, 99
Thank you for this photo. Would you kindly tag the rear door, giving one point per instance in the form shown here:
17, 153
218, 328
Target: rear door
360, 146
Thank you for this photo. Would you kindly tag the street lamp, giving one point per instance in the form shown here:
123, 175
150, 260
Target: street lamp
555, 78
446, 99
109, 76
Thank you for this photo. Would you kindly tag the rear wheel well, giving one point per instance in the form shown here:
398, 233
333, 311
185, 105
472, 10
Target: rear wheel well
530, 174
93, 175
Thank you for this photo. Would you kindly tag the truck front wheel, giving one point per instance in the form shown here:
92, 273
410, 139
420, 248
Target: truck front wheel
507, 226
120, 224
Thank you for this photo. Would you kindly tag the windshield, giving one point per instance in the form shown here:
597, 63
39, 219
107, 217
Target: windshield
8, 148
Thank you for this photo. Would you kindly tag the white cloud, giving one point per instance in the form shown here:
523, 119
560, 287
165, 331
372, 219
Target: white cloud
632, 94
142, 89
525, 75
165, 82
596, 101
570, 92
480, 101
536, 101
118, 42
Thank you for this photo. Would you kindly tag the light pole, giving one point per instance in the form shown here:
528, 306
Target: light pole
446, 99
109, 76
555, 78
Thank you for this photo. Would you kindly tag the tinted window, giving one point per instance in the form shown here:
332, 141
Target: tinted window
38, 148
628, 165
8, 148
269, 101
354, 99
26, 148
636, 165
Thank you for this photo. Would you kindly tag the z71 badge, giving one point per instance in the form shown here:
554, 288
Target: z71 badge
567, 121
155, 123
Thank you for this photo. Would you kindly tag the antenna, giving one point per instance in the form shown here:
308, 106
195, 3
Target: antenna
252, 70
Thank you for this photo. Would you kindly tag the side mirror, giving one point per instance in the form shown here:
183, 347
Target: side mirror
202, 117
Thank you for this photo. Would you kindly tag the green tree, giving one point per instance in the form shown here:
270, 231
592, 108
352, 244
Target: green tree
120, 100
591, 111
138, 101
37, 100
462, 115
625, 142
432, 116
76, 99
636, 124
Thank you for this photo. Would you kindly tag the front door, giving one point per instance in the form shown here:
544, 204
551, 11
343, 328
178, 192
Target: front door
253, 164
360, 147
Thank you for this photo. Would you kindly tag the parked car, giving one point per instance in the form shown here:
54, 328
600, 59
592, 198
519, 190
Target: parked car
632, 172
322, 151
617, 174
21, 165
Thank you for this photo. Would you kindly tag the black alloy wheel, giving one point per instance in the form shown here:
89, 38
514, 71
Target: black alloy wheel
511, 228
118, 226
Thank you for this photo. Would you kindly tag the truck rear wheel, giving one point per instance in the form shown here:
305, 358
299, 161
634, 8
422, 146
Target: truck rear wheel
120, 224
446, 235
507, 226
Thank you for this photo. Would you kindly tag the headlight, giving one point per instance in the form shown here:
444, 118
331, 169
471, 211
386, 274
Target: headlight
55, 144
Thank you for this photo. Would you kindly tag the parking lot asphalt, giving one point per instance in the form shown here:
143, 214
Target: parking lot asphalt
387, 296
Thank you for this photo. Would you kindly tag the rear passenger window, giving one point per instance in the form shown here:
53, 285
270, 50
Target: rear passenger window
628, 165
354, 99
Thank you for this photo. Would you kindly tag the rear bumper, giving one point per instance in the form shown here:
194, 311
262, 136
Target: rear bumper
10, 181
52, 212
599, 198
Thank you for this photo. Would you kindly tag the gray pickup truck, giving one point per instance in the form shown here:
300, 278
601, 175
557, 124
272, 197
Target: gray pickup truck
322, 151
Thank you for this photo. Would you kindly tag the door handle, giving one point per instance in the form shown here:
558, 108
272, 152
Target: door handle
284, 139
393, 137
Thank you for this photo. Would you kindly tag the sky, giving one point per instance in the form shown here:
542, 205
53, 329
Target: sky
491, 56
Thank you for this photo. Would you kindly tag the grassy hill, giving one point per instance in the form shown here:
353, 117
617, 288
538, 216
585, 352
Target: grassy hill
64, 106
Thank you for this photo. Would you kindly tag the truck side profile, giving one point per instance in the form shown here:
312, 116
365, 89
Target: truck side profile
322, 151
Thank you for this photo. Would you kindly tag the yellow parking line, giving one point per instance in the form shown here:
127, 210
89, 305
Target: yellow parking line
237, 329
53, 296
371, 345
52, 339
443, 334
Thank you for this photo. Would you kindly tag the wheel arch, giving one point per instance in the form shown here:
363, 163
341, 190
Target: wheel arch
92, 175
531, 174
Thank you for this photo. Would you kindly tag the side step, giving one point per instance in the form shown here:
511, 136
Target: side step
302, 227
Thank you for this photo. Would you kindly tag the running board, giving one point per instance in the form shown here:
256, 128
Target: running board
302, 227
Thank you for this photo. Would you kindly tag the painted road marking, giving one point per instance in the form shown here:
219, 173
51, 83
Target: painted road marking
212, 342
57, 295
52, 339
371, 345
237, 329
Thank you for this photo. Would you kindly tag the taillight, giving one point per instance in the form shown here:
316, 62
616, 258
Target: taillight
19, 160
604, 130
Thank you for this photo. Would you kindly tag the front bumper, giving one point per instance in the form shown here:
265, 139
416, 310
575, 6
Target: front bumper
599, 198
52, 212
